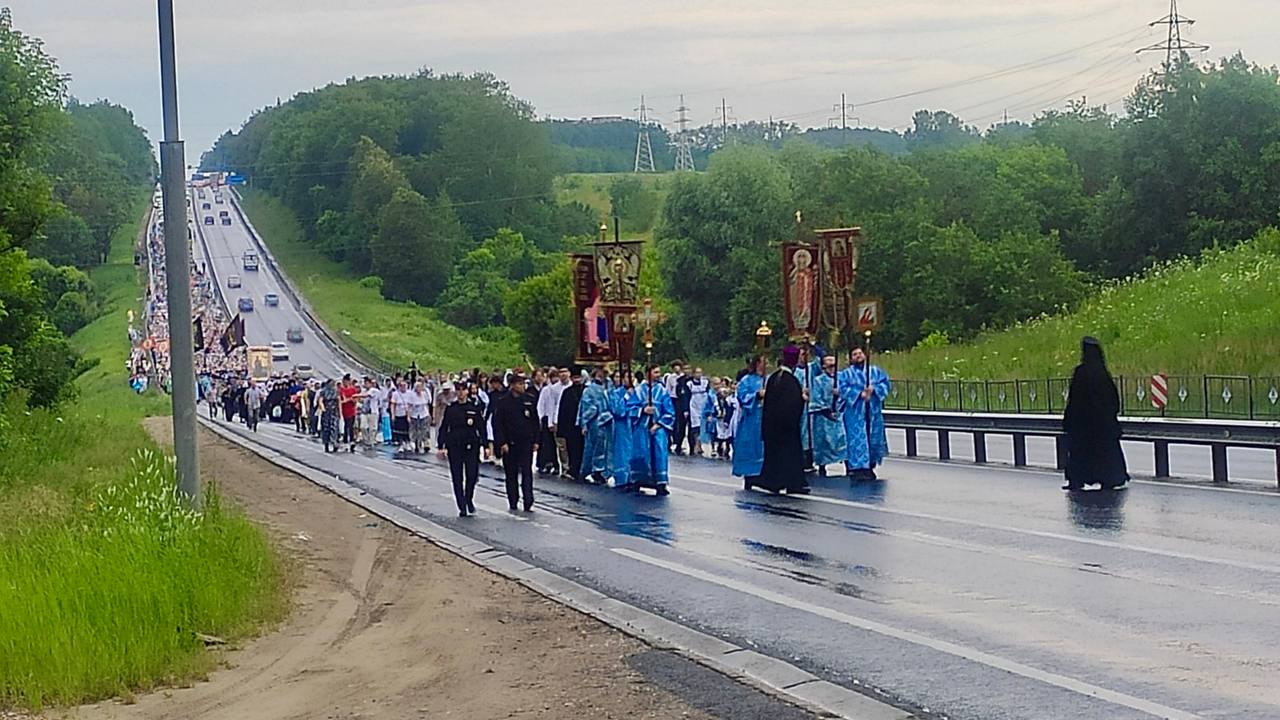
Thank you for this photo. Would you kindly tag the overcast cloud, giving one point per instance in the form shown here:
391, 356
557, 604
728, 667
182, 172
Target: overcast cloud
781, 59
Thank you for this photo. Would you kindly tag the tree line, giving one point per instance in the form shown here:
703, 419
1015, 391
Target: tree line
969, 230
406, 178
71, 175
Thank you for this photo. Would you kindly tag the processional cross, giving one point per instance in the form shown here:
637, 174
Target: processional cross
650, 319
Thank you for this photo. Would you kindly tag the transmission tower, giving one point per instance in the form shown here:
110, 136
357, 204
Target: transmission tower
684, 156
1174, 47
843, 118
644, 151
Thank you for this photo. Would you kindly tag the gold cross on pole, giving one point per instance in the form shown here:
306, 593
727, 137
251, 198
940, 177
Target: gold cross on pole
650, 319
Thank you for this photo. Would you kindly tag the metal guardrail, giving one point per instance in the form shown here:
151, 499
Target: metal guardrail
345, 347
1226, 397
1217, 434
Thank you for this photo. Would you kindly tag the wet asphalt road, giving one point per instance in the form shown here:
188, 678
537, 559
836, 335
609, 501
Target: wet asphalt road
952, 589
972, 592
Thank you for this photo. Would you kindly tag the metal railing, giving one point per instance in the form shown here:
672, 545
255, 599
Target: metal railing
1225, 397
1217, 434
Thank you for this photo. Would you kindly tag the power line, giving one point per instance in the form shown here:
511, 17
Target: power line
1174, 46
644, 151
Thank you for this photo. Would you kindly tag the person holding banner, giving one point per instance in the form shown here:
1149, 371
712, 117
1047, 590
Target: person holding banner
863, 387
825, 416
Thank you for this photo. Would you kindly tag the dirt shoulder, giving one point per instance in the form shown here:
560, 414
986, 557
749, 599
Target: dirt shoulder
387, 625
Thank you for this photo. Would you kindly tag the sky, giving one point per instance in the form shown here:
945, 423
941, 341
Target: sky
782, 59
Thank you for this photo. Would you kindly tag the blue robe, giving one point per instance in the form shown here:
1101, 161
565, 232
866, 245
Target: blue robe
708, 429
865, 450
748, 443
621, 430
649, 449
825, 413
596, 419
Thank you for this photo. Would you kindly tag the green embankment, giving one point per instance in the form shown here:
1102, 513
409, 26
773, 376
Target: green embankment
592, 190
106, 578
1216, 315
397, 333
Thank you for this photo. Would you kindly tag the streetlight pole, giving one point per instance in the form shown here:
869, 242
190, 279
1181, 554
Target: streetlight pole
177, 267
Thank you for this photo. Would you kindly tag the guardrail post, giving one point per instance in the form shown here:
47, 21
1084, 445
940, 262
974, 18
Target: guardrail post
1278, 467
979, 447
912, 449
1162, 458
1219, 462
1060, 452
944, 445
1019, 450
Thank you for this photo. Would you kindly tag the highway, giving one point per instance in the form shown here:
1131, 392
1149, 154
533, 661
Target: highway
222, 248
953, 590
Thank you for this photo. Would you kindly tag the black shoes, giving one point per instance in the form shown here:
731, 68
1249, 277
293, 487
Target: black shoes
663, 491
471, 508
805, 490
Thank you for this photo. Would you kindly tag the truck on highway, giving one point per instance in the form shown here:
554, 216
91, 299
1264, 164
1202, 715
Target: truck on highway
259, 361
249, 260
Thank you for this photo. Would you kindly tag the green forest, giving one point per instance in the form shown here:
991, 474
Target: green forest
71, 175
968, 232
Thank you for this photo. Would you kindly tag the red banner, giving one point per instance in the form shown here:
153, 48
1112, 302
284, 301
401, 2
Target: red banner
801, 278
840, 248
591, 322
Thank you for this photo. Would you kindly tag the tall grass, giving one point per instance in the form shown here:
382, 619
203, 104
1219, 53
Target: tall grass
105, 578
1218, 314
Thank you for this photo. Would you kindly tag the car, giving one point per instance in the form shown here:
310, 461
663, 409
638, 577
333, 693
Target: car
271, 299
223, 213
245, 304
279, 351
226, 220
304, 371
294, 334
206, 206
217, 199
208, 219
233, 281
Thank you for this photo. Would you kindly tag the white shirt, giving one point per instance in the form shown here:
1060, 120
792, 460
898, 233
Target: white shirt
549, 402
419, 404
401, 401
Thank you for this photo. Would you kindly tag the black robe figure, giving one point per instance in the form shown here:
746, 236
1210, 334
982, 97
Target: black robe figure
784, 409
1091, 424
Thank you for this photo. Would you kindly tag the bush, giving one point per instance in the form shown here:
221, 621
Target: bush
373, 282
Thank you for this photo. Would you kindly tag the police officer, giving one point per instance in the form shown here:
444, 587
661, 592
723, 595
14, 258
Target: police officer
460, 438
515, 437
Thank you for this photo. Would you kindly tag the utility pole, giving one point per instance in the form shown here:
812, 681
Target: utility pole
177, 269
724, 123
1174, 47
684, 155
843, 108
644, 151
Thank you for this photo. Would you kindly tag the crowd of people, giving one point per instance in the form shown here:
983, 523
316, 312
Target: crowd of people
148, 362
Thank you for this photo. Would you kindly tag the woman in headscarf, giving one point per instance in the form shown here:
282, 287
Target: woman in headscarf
1091, 424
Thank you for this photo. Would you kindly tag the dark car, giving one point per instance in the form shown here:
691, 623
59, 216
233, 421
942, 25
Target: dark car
208, 219
293, 334
245, 304
271, 299
206, 206
226, 220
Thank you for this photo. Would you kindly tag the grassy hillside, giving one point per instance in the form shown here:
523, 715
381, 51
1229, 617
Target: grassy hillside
398, 333
107, 577
1216, 315
592, 190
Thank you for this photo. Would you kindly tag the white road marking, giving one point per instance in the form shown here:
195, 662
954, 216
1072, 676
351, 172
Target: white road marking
915, 638
1194, 557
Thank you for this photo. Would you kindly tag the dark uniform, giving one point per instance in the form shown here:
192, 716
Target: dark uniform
515, 424
461, 435
568, 428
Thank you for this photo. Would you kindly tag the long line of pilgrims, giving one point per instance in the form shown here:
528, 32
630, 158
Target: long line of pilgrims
592, 425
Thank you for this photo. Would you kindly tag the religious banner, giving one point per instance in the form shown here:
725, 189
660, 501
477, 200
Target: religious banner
617, 272
622, 333
591, 333
840, 248
870, 313
800, 297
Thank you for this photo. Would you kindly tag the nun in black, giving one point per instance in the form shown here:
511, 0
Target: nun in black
1091, 424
